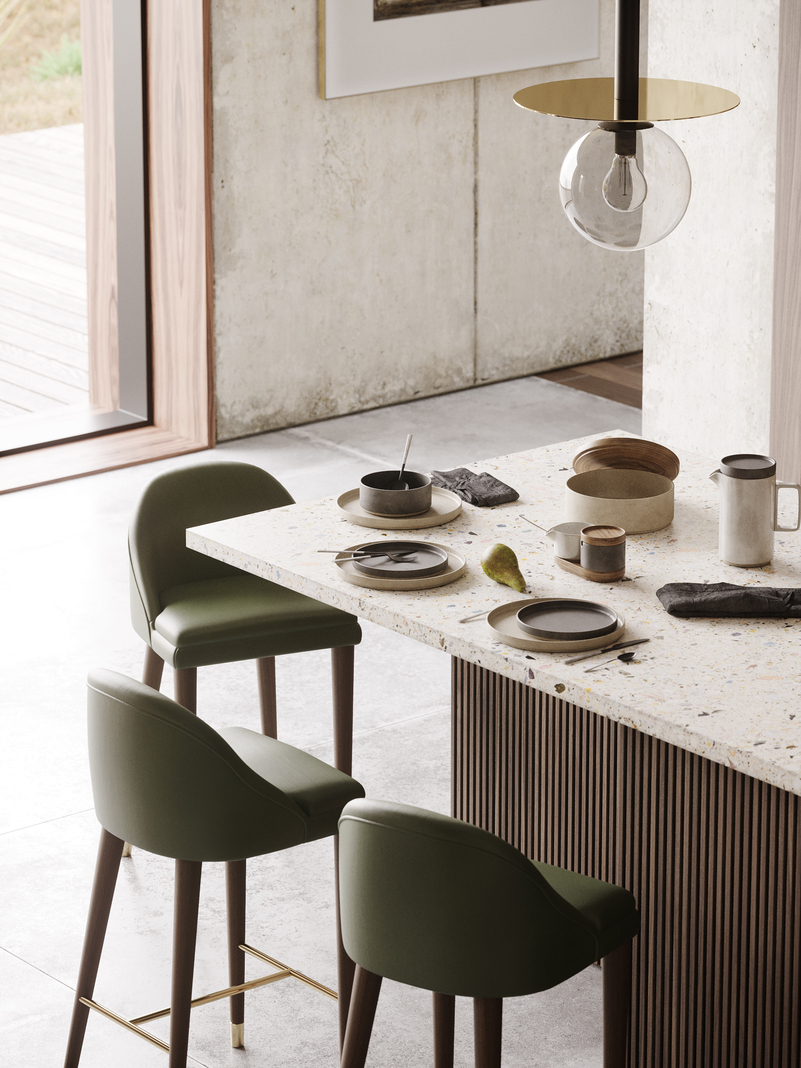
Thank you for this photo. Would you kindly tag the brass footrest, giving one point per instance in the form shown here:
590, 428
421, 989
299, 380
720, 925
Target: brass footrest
237, 1032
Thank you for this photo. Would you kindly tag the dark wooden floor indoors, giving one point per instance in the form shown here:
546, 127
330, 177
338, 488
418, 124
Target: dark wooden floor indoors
618, 378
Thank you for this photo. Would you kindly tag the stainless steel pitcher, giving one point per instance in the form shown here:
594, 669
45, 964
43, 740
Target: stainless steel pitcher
749, 497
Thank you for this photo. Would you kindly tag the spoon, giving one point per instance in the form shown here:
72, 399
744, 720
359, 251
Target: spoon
624, 657
533, 524
400, 482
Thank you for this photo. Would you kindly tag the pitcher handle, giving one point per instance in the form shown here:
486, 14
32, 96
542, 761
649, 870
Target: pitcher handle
797, 488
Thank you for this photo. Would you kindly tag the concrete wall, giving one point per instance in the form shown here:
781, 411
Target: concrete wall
709, 286
374, 249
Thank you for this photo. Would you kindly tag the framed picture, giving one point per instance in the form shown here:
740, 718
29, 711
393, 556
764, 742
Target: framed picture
370, 45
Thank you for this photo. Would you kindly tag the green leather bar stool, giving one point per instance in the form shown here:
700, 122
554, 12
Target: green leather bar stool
169, 783
445, 906
192, 611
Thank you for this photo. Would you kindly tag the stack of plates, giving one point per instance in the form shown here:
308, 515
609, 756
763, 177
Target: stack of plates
555, 625
412, 565
445, 506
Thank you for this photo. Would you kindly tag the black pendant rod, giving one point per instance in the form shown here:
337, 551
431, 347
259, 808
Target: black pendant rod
627, 59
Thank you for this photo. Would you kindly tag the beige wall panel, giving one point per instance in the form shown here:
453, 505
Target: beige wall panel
546, 297
343, 230
709, 286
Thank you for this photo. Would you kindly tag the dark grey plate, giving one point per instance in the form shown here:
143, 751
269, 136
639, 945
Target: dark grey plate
566, 619
425, 560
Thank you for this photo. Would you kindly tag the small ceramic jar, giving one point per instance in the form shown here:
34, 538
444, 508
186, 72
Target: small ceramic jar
603, 549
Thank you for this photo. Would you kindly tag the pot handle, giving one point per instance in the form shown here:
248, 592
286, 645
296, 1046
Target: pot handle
792, 486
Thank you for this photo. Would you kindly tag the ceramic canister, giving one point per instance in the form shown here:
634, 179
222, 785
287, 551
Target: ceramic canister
603, 549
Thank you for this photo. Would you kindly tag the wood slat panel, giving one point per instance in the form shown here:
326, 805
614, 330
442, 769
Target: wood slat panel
711, 855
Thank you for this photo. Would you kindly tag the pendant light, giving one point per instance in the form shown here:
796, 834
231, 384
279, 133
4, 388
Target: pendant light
626, 184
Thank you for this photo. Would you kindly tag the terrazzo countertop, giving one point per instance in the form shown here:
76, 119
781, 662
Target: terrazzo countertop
727, 689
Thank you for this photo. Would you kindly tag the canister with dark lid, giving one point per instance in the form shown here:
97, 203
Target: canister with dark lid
603, 549
748, 508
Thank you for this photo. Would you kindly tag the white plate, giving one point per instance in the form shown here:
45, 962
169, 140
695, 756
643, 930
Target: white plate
457, 565
445, 506
502, 621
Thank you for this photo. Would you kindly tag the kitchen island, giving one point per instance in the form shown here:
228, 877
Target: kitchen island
677, 776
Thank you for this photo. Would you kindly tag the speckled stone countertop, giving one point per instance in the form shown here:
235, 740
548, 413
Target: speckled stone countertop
727, 689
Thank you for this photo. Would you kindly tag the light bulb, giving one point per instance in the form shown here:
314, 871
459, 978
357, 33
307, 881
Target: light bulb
606, 196
624, 187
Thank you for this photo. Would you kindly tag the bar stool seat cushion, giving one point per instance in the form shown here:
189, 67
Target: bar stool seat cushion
243, 617
442, 905
168, 782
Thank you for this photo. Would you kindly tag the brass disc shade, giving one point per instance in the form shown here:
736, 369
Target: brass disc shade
660, 99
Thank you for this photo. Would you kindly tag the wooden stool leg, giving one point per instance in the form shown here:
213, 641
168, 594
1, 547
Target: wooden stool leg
366, 988
345, 966
235, 879
153, 669
187, 897
444, 1018
487, 1025
186, 688
265, 673
617, 1005
342, 685
106, 870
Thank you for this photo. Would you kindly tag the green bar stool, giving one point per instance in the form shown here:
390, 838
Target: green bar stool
169, 783
192, 611
442, 905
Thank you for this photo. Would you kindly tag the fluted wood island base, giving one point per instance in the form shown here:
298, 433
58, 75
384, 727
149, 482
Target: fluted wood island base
710, 854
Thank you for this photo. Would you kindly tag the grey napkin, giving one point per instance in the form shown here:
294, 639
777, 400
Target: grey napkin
483, 489
725, 599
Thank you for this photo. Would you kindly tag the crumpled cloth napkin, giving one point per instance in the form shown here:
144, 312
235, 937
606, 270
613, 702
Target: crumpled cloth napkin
484, 489
725, 599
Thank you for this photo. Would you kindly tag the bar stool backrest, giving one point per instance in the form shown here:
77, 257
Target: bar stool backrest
440, 904
166, 781
188, 497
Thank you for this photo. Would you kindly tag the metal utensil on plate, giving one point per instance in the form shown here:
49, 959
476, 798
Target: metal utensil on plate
396, 555
606, 649
624, 657
400, 482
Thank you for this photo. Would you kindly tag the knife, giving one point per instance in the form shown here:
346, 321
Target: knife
606, 649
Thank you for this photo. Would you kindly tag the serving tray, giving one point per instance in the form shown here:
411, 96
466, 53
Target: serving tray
502, 622
445, 506
455, 568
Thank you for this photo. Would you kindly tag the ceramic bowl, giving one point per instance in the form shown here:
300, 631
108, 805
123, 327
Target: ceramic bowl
638, 501
375, 495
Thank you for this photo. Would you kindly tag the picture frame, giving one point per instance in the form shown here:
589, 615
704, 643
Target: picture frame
359, 55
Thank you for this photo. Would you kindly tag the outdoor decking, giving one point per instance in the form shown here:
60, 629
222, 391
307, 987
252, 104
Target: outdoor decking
43, 322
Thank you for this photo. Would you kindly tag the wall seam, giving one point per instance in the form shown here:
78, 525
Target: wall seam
475, 231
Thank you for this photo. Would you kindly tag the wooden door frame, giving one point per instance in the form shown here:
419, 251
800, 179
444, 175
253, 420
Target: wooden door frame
178, 125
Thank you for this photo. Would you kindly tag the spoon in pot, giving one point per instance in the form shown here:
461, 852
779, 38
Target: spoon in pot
624, 657
400, 482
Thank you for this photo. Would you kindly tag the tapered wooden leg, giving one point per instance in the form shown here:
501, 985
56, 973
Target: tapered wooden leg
265, 673
106, 870
186, 688
153, 669
187, 897
617, 1005
487, 1026
235, 879
444, 1018
345, 966
342, 685
366, 988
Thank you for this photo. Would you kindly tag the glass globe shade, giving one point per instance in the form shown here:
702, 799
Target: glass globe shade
625, 201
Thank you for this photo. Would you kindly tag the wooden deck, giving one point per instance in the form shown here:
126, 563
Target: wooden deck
618, 378
43, 322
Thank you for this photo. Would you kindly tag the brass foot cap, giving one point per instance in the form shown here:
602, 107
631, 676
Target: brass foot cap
238, 1035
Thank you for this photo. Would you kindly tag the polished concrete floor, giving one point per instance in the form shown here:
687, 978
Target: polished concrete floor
65, 609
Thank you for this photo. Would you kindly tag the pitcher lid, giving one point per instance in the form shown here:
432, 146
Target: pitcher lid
748, 465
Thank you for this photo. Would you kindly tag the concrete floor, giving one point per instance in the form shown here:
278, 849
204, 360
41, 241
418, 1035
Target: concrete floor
65, 609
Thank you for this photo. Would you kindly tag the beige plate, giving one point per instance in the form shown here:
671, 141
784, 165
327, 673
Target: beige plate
503, 623
457, 565
445, 506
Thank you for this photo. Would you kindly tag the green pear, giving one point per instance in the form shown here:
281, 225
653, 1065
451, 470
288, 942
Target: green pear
500, 564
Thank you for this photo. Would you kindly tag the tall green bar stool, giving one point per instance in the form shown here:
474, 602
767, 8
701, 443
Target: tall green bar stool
192, 611
442, 905
169, 783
